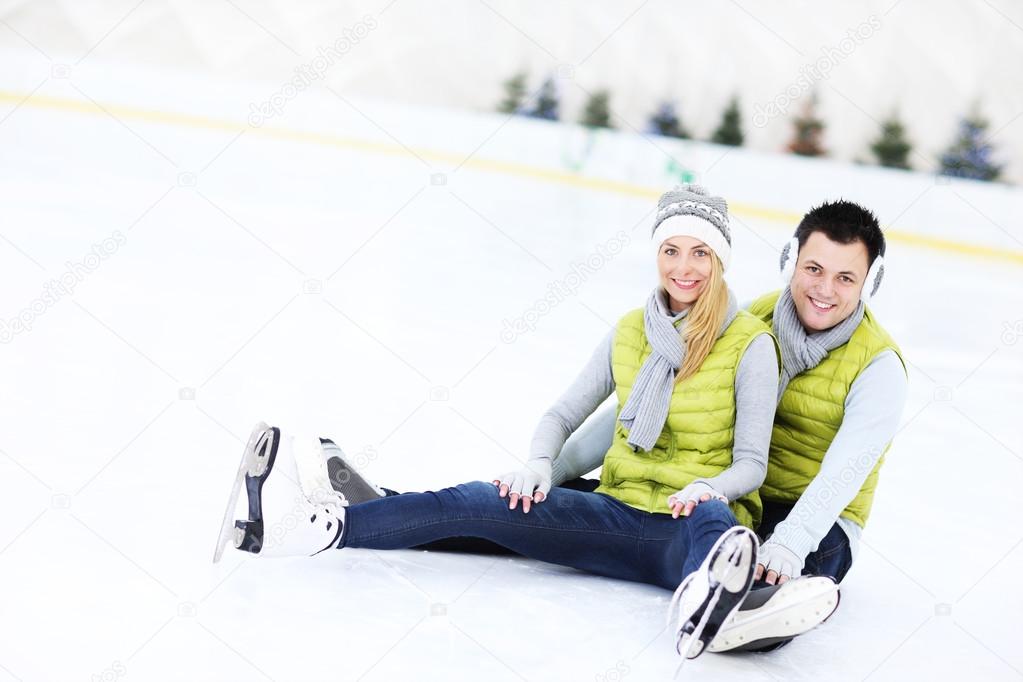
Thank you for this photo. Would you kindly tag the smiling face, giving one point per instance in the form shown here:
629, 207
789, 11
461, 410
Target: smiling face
684, 266
828, 280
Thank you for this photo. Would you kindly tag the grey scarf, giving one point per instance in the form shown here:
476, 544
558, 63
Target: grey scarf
646, 409
801, 351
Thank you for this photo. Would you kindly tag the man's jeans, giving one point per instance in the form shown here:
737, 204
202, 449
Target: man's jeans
585, 530
833, 556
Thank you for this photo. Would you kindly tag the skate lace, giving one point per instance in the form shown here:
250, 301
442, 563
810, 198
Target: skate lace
327, 497
675, 599
329, 512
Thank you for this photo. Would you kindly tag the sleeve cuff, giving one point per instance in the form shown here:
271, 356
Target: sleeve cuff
561, 472
794, 537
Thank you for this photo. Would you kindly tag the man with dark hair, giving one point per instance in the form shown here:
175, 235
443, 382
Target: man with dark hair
840, 397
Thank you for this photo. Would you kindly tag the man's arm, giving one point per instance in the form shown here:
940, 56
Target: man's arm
873, 409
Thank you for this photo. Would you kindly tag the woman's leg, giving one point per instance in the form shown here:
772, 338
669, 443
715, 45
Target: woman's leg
467, 545
588, 531
673, 548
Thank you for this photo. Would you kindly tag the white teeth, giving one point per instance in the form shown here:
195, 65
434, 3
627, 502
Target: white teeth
820, 305
685, 282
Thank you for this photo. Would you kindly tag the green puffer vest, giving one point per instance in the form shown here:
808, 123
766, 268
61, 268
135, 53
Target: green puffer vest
810, 413
698, 435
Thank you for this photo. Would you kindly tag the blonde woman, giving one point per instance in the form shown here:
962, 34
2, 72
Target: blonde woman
695, 380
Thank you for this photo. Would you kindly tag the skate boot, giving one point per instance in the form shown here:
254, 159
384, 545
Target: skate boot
707, 597
292, 510
773, 615
345, 478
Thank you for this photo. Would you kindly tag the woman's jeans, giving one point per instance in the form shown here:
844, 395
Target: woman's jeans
585, 530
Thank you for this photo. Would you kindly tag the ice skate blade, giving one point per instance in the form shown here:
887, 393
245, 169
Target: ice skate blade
249, 462
730, 575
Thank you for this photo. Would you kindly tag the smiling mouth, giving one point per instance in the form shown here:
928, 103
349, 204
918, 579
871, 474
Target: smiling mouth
685, 283
821, 305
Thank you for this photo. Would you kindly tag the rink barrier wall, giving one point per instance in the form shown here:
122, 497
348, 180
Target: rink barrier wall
551, 175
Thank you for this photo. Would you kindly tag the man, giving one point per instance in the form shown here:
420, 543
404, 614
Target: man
840, 398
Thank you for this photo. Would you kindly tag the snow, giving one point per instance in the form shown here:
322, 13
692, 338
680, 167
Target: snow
326, 283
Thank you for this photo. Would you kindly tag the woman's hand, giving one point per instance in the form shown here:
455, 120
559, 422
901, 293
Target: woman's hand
531, 484
684, 501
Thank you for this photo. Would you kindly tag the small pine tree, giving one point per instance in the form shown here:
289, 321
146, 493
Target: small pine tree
514, 92
547, 102
892, 148
730, 130
970, 156
597, 113
666, 122
808, 130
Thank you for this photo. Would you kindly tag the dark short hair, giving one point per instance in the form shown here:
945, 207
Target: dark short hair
844, 222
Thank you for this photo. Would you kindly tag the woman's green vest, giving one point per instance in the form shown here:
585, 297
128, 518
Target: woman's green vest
810, 413
698, 435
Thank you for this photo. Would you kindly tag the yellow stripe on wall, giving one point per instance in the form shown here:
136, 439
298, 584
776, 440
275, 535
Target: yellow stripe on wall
790, 220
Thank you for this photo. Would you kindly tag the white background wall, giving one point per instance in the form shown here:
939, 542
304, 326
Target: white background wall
932, 60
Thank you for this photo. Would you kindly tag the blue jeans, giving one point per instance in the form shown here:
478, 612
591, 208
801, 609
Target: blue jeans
585, 530
833, 557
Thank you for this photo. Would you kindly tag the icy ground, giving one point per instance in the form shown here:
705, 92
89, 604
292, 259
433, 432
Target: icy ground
345, 285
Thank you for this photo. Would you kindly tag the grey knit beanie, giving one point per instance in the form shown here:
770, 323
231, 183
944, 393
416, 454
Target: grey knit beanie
691, 211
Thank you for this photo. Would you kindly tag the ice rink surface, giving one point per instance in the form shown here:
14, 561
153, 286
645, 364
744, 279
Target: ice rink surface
354, 284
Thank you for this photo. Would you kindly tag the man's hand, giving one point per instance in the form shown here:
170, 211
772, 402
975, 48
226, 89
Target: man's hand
531, 484
684, 501
779, 562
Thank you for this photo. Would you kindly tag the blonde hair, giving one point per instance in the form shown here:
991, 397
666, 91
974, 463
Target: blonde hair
703, 324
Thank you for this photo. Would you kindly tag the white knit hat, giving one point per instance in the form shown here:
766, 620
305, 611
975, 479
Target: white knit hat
691, 211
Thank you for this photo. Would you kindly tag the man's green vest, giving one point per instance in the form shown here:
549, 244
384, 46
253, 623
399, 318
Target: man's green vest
698, 435
810, 413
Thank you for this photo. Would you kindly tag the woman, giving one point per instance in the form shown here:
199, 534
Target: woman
677, 496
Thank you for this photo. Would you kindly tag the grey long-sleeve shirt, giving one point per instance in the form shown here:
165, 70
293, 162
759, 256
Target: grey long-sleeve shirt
756, 386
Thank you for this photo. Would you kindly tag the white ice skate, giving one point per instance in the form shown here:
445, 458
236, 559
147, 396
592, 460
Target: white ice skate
772, 615
707, 597
345, 477
292, 509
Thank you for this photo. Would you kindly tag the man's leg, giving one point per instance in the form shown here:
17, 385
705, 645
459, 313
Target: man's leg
833, 556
